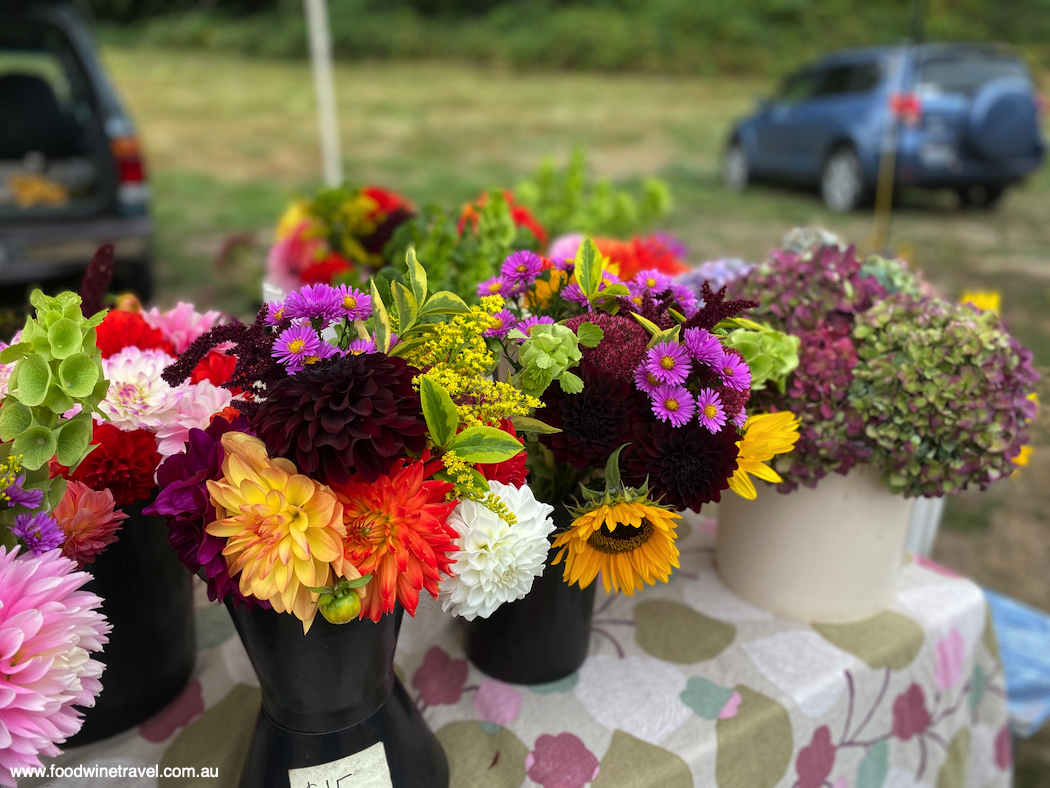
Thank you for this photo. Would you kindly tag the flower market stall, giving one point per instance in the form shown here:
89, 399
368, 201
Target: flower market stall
447, 504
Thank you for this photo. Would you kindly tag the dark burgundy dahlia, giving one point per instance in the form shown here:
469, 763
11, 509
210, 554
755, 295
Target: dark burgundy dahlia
345, 415
686, 466
593, 423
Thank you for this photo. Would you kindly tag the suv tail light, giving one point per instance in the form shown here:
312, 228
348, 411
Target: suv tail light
132, 191
906, 107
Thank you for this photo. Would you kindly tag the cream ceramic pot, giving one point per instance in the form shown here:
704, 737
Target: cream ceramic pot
831, 554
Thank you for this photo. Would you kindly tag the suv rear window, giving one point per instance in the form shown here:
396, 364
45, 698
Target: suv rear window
49, 135
967, 74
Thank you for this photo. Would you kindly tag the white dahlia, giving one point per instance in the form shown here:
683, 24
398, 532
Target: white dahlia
138, 398
496, 562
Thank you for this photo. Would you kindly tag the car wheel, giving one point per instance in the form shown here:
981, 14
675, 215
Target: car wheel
980, 196
736, 169
842, 181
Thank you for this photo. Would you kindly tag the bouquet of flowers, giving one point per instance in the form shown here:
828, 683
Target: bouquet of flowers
646, 391
369, 458
52, 381
339, 235
937, 396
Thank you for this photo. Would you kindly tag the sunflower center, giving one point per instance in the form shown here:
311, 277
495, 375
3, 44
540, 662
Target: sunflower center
296, 346
623, 540
667, 362
710, 411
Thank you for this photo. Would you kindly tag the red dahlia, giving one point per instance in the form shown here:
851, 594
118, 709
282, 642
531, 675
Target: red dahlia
123, 463
128, 329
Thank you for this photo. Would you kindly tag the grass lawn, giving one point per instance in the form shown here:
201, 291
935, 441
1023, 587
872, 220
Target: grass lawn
231, 140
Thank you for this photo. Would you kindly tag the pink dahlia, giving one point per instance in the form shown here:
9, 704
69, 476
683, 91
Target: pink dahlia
198, 403
181, 325
88, 520
48, 627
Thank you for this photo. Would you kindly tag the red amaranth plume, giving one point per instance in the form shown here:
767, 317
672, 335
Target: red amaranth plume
716, 309
96, 281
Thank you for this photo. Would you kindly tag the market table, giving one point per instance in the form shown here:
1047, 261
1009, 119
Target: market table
685, 685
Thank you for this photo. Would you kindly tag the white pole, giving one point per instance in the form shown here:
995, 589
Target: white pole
324, 86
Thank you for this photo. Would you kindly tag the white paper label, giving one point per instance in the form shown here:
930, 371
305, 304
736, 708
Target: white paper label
366, 769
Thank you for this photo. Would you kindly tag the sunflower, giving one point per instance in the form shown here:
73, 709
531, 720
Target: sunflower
631, 542
765, 435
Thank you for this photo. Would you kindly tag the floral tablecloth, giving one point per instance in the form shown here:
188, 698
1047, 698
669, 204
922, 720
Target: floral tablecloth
685, 685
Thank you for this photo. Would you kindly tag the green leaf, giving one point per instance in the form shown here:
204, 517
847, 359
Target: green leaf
646, 323
57, 400
34, 376
382, 320
589, 334
612, 469
444, 303
439, 411
478, 481
12, 354
406, 306
570, 383
73, 437
526, 424
54, 491
14, 419
78, 375
873, 768
417, 275
668, 335
36, 445
588, 267
65, 338
485, 445
612, 291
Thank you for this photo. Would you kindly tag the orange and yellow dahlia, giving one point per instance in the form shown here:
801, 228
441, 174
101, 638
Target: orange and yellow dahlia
397, 531
284, 530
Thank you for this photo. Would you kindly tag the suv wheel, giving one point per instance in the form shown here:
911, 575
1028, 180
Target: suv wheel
979, 196
736, 169
842, 181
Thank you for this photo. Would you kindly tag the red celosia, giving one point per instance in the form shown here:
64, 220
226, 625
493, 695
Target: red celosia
88, 519
128, 329
396, 531
123, 463
512, 471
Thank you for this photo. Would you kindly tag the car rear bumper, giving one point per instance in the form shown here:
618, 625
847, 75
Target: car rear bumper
940, 166
30, 253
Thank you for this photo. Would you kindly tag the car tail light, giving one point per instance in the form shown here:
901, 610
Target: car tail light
906, 107
131, 171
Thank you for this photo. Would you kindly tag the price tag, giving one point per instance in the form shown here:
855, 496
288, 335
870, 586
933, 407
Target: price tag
365, 769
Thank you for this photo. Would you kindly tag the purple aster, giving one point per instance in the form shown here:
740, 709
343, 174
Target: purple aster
704, 346
673, 403
522, 267
314, 302
712, 414
294, 345
525, 326
734, 372
672, 243
39, 530
275, 312
17, 495
669, 362
644, 380
324, 350
359, 346
497, 285
741, 419
568, 264
506, 323
686, 299
573, 293
651, 280
353, 303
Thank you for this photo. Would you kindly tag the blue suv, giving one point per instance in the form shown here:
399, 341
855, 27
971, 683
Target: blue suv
966, 117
